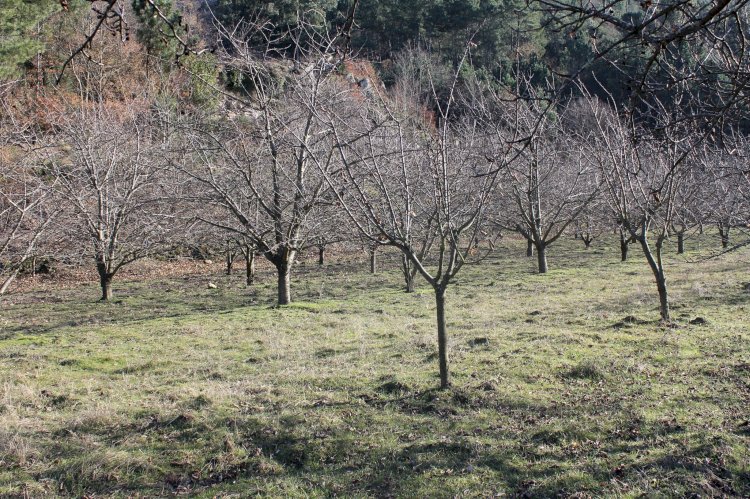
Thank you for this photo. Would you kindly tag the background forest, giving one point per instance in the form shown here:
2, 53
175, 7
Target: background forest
507, 35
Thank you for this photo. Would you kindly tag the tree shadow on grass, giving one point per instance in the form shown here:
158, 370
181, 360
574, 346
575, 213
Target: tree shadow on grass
137, 302
531, 449
42, 313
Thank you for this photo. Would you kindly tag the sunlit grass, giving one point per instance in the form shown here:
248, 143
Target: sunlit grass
562, 383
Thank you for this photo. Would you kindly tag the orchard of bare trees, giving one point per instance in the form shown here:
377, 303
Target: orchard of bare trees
371, 248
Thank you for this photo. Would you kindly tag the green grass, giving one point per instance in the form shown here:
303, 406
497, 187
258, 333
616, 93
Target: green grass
563, 383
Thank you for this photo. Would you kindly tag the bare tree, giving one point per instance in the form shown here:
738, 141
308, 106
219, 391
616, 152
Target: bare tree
645, 179
722, 180
248, 252
26, 212
261, 164
108, 176
230, 255
26, 207
592, 222
688, 200
370, 240
549, 181
413, 181
725, 206
333, 228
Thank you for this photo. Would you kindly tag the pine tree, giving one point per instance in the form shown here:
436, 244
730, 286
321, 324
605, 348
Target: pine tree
281, 13
154, 33
18, 24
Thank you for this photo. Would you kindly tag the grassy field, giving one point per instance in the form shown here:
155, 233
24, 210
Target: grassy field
565, 384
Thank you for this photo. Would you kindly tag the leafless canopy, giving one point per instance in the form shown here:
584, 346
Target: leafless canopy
259, 171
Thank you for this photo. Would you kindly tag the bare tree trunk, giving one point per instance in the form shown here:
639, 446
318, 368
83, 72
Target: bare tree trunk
106, 289
249, 266
654, 261
541, 258
105, 281
9, 280
529, 248
409, 273
373, 260
409, 283
680, 243
442, 337
283, 269
624, 242
724, 233
321, 254
230, 261
661, 284
587, 241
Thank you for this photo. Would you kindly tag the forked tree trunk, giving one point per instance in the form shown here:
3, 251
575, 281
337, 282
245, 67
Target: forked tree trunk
587, 241
249, 266
541, 258
442, 337
105, 281
624, 245
283, 260
529, 248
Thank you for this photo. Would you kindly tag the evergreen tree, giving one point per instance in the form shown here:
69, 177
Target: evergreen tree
281, 13
154, 33
18, 24
498, 28
387, 26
